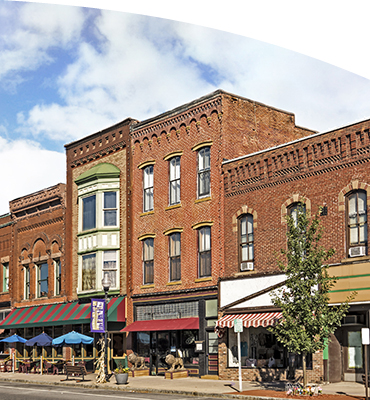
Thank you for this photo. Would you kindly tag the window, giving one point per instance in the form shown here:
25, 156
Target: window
27, 282
58, 275
148, 188
110, 266
175, 256
293, 211
148, 259
110, 209
175, 180
357, 220
42, 280
204, 172
88, 212
204, 251
6, 277
88, 272
246, 239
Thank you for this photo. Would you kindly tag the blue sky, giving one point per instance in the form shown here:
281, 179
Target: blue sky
67, 72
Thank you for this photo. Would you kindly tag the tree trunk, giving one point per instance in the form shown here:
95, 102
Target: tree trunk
304, 369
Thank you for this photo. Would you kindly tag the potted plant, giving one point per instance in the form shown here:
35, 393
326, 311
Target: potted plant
121, 374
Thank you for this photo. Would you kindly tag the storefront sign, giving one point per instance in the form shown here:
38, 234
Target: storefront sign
97, 317
238, 325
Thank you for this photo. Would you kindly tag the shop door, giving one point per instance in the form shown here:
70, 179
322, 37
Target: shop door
212, 353
335, 363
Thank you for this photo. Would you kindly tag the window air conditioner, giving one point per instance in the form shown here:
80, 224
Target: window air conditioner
357, 251
246, 266
349, 320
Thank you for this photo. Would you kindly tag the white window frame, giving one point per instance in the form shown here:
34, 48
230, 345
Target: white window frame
148, 188
109, 209
175, 180
204, 170
110, 256
58, 276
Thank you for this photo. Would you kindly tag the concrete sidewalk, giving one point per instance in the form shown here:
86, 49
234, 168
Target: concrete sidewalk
184, 386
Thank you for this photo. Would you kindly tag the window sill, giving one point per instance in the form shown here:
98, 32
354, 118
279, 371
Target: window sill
174, 283
97, 293
203, 199
151, 286
173, 206
351, 260
244, 273
146, 213
208, 278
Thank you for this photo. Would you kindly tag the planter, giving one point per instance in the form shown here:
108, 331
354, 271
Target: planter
122, 379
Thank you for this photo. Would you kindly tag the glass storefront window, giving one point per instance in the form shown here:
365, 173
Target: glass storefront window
117, 344
354, 349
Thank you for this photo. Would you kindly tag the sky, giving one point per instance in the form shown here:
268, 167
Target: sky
69, 71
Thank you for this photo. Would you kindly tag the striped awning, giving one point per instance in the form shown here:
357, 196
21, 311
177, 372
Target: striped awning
61, 314
249, 320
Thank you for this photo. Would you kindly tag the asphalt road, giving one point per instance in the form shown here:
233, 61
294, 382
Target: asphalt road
20, 391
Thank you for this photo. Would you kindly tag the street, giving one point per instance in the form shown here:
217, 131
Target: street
19, 391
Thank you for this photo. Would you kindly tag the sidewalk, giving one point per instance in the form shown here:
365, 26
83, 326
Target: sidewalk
185, 386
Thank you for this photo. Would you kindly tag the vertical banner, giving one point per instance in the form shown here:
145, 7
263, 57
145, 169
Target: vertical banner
97, 315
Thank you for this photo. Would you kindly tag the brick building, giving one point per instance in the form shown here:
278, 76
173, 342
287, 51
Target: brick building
177, 221
34, 272
329, 170
98, 226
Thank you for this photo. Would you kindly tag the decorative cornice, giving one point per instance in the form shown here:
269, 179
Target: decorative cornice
41, 224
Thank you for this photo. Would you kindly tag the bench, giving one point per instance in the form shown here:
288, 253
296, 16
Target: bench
75, 370
368, 379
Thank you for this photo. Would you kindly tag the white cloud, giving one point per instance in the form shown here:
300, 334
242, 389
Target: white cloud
27, 168
29, 31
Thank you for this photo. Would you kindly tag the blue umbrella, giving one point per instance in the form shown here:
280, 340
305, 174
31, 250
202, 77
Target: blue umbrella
72, 338
14, 339
40, 340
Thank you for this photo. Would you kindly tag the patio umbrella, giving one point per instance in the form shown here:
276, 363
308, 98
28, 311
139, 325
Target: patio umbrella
40, 340
13, 339
72, 338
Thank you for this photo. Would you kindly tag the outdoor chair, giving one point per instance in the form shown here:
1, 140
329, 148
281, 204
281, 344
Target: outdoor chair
9, 366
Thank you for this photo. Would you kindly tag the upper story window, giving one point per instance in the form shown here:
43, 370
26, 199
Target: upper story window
42, 280
27, 282
110, 266
148, 188
89, 212
357, 223
294, 209
175, 256
175, 180
58, 276
89, 272
148, 260
246, 242
204, 251
204, 172
6, 277
110, 209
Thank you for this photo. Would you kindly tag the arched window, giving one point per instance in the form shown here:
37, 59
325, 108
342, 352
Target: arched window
356, 223
246, 242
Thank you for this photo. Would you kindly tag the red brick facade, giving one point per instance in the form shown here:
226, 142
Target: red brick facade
320, 171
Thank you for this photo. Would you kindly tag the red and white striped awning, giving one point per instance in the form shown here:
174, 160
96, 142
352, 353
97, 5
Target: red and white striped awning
254, 319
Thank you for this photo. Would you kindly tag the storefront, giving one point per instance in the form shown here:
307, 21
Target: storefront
182, 326
58, 319
262, 356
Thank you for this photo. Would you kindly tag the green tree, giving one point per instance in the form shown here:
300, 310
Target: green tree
307, 320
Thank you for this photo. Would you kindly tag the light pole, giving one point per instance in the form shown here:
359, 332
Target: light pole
106, 284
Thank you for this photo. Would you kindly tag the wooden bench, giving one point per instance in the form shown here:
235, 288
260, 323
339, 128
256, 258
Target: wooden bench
368, 379
75, 370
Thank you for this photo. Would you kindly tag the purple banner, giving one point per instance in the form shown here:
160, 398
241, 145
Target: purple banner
97, 315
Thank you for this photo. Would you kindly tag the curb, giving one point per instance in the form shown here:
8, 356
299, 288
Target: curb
138, 390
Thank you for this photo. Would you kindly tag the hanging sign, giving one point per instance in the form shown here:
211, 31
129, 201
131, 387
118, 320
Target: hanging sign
97, 315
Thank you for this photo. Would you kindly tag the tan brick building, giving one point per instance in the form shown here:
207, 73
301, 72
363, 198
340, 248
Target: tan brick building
329, 170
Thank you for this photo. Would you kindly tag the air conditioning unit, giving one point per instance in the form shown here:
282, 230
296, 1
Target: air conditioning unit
357, 251
350, 320
246, 266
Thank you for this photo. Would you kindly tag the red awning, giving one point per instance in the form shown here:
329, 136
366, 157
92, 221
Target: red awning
253, 319
163, 325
